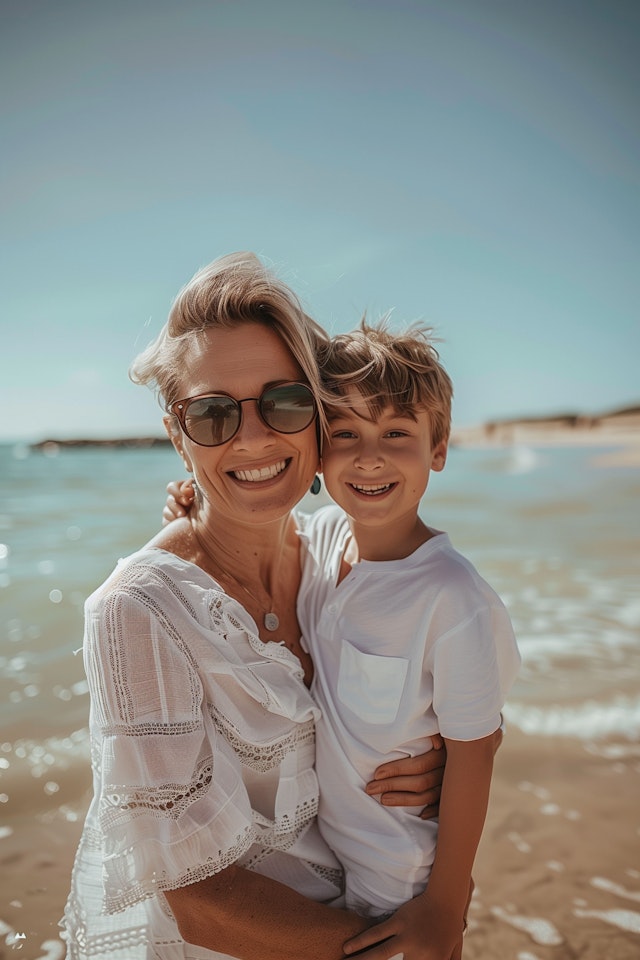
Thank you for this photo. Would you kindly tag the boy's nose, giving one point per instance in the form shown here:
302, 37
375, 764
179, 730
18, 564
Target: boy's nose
369, 457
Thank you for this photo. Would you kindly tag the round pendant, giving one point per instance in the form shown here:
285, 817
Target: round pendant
271, 621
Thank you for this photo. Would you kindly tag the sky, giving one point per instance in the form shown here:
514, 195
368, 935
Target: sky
472, 164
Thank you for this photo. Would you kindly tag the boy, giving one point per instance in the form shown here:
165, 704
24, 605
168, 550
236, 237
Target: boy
406, 639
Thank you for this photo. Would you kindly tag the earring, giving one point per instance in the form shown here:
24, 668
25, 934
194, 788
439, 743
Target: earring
316, 485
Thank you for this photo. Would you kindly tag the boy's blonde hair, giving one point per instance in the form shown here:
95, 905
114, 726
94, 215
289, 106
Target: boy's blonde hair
401, 370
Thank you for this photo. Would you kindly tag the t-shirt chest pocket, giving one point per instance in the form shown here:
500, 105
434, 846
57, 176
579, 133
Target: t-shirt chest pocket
369, 685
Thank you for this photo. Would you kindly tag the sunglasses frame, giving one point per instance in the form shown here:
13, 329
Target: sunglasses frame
179, 410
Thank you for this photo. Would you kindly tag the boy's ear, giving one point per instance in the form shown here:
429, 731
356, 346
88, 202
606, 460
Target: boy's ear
439, 455
175, 435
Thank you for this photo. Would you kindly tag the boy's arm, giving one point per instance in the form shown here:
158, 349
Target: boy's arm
430, 926
180, 495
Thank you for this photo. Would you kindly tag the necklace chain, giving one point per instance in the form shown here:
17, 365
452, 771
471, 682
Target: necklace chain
270, 619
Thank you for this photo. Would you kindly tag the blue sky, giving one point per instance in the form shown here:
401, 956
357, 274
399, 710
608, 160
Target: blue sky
474, 164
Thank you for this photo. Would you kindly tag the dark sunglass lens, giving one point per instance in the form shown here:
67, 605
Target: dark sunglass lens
211, 421
288, 408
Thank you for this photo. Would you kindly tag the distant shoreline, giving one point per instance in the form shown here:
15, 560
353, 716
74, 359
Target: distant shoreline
50, 443
619, 428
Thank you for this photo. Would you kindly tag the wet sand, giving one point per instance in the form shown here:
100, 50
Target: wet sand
558, 872
557, 875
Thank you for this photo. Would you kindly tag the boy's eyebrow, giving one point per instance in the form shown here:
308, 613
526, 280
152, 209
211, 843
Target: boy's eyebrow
389, 413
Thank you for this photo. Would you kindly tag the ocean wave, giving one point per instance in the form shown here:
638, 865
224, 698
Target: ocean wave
591, 720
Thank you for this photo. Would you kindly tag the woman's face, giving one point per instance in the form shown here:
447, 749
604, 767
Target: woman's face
260, 474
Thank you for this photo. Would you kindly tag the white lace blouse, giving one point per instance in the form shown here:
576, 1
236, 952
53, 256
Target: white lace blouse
202, 753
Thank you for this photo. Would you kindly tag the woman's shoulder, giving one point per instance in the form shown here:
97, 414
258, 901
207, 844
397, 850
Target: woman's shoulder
151, 572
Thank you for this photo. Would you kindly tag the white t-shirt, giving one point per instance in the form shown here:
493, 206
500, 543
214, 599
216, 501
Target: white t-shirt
402, 649
203, 752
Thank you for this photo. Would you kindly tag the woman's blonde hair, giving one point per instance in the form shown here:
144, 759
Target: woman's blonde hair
230, 291
401, 370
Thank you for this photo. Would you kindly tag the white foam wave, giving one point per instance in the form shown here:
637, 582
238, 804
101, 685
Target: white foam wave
540, 930
601, 883
576, 643
522, 459
586, 721
623, 919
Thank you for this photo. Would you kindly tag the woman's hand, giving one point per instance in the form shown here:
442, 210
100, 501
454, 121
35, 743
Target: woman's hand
412, 781
180, 497
416, 781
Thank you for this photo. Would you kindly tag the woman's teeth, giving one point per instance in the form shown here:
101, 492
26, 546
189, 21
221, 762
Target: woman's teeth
265, 473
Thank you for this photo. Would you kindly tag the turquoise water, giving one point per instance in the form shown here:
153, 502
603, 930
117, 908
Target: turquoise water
555, 534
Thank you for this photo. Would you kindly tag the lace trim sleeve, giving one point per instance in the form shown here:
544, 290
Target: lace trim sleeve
171, 804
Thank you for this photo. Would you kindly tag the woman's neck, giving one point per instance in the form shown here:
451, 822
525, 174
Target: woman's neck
257, 564
250, 553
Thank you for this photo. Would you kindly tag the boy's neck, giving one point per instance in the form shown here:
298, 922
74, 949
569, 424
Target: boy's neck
379, 543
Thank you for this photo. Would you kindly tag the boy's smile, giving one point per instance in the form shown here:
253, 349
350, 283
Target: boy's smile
377, 470
373, 490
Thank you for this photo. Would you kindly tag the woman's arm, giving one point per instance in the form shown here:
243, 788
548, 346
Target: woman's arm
430, 926
248, 915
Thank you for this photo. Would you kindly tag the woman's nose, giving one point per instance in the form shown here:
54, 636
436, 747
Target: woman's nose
253, 431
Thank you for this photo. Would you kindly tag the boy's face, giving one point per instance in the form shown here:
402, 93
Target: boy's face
378, 471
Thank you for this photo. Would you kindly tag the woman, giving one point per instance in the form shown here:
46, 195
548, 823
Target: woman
201, 838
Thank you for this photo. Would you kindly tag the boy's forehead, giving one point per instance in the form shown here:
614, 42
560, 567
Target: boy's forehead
362, 407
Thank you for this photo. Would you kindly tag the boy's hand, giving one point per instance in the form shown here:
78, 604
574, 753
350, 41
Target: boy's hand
418, 930
412, 781
180, 496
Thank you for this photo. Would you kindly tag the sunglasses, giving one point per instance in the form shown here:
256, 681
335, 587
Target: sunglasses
212, 419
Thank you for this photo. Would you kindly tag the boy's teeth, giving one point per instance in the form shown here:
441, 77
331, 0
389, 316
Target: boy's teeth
265, 473
370, 487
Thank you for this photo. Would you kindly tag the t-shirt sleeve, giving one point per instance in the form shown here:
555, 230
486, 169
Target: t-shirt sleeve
474, 665
172, 806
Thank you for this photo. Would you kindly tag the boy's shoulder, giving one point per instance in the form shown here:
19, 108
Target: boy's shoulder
329, 518
453, 575
324, 533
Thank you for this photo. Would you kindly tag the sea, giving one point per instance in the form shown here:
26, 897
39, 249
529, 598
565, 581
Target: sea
555, 530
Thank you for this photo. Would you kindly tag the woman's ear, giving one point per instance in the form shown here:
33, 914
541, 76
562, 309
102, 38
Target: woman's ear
175, 435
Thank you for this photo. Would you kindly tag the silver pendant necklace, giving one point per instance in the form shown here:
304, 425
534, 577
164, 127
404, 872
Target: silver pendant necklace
270, 620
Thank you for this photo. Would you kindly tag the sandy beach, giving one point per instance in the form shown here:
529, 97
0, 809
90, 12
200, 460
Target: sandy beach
557, 875
558, 870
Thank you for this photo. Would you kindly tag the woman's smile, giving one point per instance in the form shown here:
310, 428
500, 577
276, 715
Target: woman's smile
261, 474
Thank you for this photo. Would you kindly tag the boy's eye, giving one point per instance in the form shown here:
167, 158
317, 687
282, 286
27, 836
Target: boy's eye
342, 435
396, 433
